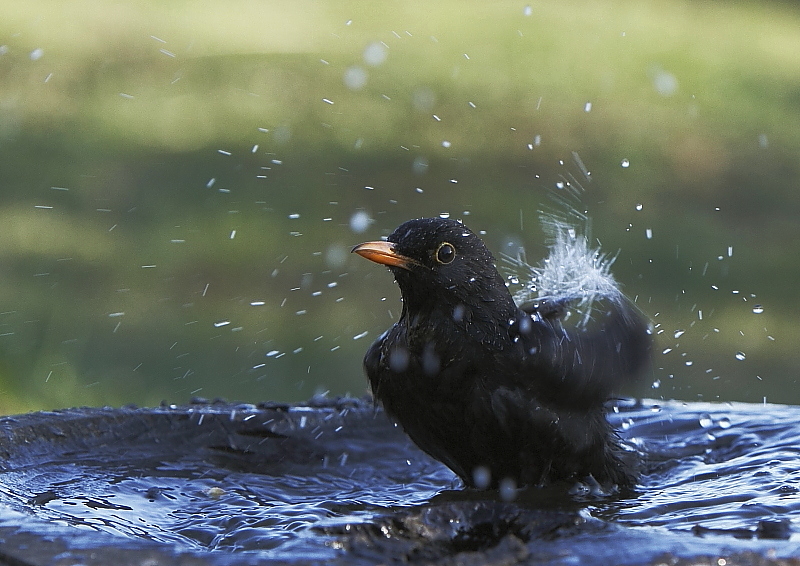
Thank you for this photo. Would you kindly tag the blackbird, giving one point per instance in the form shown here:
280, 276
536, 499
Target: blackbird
496, 391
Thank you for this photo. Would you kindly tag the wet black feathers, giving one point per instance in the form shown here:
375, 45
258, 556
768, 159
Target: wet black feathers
479, 383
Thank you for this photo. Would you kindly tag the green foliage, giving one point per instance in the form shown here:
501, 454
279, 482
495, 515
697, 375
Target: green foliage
168, 167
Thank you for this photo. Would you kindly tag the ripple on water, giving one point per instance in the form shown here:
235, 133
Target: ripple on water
726, 467
719, 467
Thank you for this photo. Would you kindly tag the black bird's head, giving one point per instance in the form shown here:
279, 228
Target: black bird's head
440, 264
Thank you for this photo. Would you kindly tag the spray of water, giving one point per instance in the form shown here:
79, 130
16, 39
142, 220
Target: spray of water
576, 273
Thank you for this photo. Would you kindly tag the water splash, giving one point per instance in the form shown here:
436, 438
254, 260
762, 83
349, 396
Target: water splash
574, 271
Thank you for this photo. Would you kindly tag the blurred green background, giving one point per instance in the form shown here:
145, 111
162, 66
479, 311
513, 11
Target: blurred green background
181, 182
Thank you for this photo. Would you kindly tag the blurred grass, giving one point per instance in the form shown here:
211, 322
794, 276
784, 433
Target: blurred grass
145, 117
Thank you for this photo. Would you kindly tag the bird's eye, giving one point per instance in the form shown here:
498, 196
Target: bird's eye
446, 253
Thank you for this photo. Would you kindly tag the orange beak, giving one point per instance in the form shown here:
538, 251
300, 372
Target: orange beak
383, 253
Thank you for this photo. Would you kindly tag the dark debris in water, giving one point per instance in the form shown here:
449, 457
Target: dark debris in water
486, 532
334, 482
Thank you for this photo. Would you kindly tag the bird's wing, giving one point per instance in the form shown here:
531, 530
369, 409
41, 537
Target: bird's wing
585, 364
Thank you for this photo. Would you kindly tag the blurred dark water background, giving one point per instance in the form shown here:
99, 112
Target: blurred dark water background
181, 182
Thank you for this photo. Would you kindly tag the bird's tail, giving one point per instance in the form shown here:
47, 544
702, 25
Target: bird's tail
607, 340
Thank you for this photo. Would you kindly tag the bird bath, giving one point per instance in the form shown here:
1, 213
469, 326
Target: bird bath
334, 481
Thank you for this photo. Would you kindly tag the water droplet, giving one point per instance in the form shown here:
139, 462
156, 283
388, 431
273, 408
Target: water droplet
666, 350
758, 309
527, 10
706, 421
431, 362
446, 143
423, 99
360, 221
656, 384
481, 477
355, 78
678, 333
649, 233
724, 422
664, 83
625, 164
444, 215
37, 54
740, 356
639, 206
375, 54
294, 216
398, 360
587, 107
508, 489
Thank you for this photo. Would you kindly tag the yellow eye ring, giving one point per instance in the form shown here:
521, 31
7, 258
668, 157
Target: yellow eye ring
445, 253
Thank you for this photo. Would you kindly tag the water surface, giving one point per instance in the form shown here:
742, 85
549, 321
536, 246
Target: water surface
288, 483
